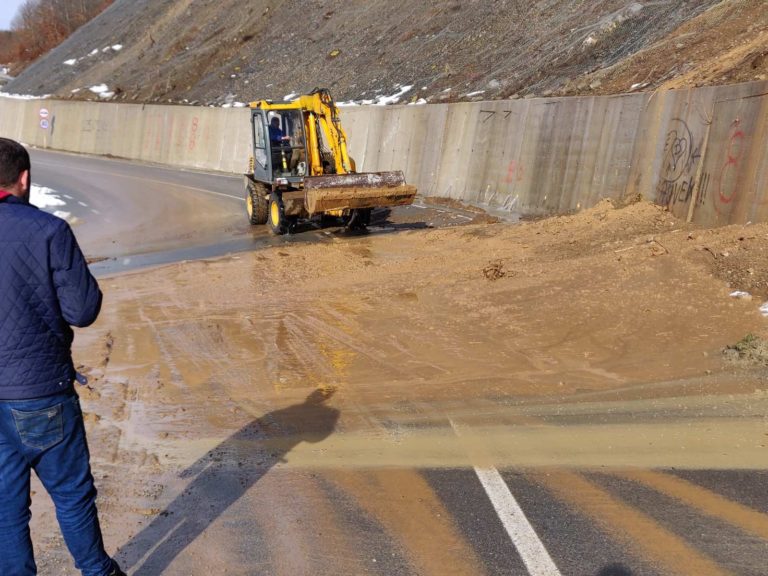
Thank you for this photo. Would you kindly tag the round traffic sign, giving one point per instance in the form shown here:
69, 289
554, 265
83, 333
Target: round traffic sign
44, 113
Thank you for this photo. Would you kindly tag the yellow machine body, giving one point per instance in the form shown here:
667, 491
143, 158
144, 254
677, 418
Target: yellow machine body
300, 159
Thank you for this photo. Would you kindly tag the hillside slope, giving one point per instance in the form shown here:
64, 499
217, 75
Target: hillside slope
220, 51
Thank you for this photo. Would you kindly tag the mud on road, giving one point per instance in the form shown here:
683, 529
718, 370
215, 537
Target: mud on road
255, 405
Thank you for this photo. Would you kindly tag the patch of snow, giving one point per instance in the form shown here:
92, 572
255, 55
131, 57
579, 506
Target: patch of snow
107, 94
741, 294
446, 90
75, 91
418, 102
23, 96
99, 88
356, 103
70, 62
117, 47
475, 93
379, 100
394, 99
64, 216
238, 105
290, 97
44, 197
94, 52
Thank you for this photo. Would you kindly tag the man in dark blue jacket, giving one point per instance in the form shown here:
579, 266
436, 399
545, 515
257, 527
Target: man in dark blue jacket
45, 287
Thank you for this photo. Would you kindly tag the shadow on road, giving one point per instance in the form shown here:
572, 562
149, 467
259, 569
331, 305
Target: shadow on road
222, 476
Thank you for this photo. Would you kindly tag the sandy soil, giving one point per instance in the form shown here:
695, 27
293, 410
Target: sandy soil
578, 341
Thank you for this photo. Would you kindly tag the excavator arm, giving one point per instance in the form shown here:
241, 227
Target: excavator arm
325, 134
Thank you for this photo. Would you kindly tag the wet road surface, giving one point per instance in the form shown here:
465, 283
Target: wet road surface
129, 216
399, 473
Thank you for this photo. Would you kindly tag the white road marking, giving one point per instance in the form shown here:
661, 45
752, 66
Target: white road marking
523, 536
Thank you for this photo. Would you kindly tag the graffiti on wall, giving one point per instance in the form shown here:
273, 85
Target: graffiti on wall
192, 142
163, 130
515, 172
728, 176
677, 178
93, 125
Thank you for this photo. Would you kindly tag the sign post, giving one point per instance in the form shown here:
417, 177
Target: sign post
45, 124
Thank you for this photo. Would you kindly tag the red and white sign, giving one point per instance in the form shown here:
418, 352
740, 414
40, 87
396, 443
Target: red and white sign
44, 113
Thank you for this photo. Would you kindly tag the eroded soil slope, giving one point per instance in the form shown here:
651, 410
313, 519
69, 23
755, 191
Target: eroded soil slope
228, 51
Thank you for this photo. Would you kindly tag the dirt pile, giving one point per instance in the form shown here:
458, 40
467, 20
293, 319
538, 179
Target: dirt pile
444, 50
485, 323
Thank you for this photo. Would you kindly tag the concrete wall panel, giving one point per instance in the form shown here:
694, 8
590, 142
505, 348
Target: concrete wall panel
701, 152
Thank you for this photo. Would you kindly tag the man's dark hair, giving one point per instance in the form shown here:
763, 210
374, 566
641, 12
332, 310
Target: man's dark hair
14, 159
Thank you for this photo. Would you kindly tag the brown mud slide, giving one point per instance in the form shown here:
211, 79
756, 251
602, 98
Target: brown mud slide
253, 406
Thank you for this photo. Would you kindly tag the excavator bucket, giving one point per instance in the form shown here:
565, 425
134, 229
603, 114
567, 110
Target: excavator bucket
356, 191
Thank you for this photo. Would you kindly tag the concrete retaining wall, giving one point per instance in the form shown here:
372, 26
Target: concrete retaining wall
701, 152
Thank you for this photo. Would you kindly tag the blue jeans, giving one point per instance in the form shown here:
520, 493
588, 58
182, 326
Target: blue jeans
47, 435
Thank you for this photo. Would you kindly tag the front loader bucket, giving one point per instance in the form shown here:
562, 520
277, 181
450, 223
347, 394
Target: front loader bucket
356, 191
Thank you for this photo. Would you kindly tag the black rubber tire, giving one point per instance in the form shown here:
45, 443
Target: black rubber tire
277, 221
358, 219
257, 205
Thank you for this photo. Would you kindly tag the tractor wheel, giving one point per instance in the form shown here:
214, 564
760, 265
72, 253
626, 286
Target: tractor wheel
358, 219
256, 204
277, 221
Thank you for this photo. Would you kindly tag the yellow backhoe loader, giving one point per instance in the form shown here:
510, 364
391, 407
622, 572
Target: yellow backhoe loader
300, 167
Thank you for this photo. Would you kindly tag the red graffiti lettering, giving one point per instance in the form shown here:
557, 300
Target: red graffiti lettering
729, 172
193, 134
515, 172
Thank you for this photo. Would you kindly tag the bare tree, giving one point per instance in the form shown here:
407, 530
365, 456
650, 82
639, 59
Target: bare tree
41, 25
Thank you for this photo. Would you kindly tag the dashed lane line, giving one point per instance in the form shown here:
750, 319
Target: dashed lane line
531, 549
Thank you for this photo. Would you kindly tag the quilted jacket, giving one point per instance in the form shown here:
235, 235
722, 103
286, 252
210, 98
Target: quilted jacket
45, 286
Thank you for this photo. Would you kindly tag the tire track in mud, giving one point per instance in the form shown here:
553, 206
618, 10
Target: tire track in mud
356, 343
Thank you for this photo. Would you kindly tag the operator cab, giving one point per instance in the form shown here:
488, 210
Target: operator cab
280, 150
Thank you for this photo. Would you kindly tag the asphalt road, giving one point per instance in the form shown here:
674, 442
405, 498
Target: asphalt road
128, 216
543, 521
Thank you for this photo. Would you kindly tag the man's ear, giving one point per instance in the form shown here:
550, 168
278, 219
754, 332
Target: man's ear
23, 186
24, 180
